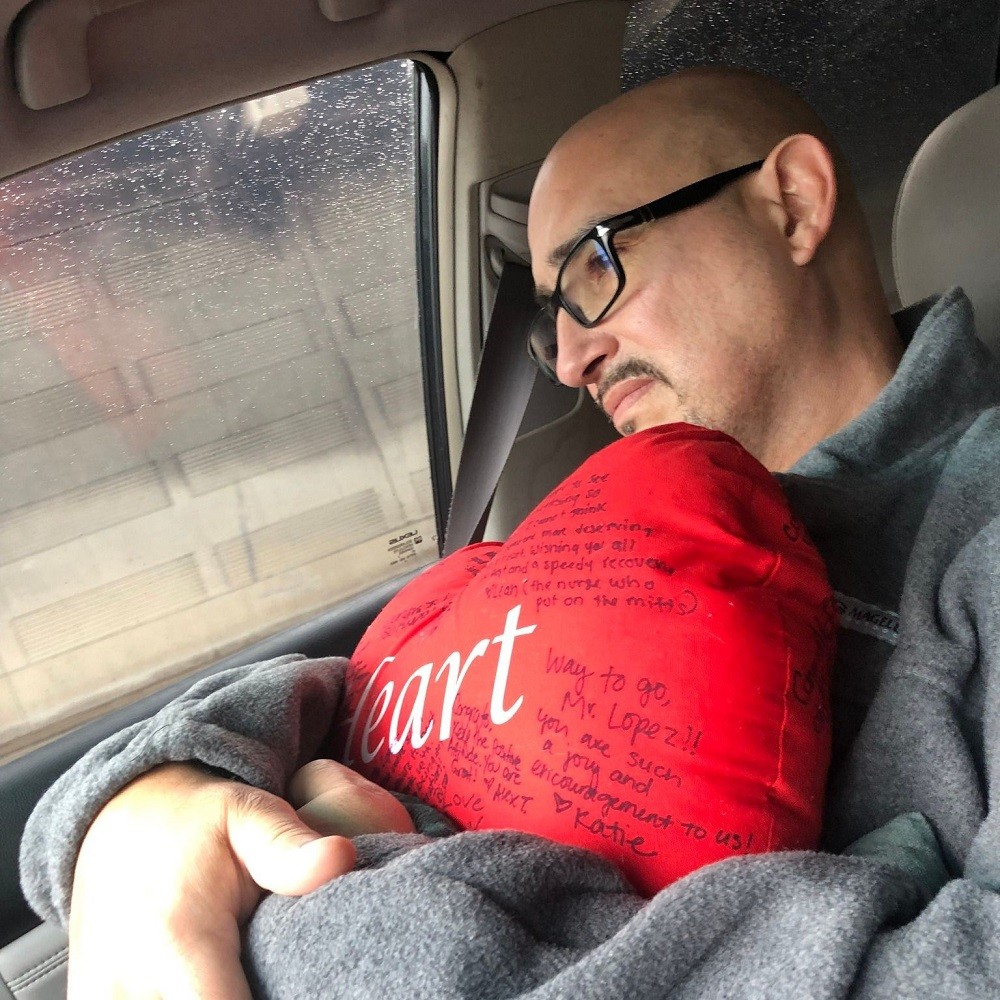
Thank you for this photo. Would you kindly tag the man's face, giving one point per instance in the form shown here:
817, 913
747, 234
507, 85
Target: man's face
702, 327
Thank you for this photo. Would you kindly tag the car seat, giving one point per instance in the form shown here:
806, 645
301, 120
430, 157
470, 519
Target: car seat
945, 226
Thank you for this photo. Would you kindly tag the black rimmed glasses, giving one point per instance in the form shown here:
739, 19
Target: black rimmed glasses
591, 277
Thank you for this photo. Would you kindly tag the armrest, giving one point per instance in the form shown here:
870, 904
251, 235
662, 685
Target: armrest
33, 967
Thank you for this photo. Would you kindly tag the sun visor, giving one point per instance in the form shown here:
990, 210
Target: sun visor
50, 47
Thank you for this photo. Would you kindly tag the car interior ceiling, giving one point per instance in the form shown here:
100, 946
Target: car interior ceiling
512, 75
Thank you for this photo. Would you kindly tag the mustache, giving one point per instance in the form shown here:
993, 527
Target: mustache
633, 368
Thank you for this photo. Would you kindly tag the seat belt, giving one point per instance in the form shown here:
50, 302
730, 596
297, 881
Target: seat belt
503, 385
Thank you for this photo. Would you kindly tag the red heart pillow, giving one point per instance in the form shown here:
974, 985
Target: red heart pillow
642, 669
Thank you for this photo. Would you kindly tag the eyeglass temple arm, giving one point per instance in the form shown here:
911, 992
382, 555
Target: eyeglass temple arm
684, 197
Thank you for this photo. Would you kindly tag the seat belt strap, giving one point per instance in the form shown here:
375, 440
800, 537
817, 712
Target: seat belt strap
503, 385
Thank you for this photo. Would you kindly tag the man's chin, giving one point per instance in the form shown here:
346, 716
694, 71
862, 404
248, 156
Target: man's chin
639, 420
638, 423
643, 422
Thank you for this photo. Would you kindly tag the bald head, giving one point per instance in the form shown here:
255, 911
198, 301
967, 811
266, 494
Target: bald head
710, 116
747, 309
691, 124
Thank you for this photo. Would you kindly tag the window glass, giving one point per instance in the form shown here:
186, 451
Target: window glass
211, 411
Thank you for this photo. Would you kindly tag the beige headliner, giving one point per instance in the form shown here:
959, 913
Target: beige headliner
160, 59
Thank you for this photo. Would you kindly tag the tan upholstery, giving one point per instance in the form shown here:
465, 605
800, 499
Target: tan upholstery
34, 966
948, 214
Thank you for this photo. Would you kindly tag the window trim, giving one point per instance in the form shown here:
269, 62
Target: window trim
427, 242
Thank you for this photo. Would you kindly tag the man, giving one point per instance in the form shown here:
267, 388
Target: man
756, 310
762, 279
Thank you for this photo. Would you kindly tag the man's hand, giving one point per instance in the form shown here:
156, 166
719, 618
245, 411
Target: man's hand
169, 870
333, 799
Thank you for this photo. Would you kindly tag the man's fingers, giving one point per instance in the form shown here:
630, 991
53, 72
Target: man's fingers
280, 852
317, 777
333, 799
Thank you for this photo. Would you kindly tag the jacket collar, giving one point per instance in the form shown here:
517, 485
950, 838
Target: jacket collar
945, 377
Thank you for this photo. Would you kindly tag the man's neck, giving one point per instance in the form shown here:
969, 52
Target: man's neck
837, 391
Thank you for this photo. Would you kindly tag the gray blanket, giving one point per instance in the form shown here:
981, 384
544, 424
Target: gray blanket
507, 914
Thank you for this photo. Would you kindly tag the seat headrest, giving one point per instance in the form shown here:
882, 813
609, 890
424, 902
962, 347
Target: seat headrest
948, 214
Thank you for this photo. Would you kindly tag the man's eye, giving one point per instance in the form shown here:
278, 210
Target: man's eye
598, 262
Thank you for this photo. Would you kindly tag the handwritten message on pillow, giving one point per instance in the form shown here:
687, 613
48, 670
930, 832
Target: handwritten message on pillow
641, 670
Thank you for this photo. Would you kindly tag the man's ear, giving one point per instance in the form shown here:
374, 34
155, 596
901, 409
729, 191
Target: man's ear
801, 182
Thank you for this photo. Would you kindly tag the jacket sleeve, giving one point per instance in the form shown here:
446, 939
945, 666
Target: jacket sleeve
257, 723
931, 744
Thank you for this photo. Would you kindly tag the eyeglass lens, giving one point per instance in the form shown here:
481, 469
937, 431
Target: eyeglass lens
542, 344
589, 281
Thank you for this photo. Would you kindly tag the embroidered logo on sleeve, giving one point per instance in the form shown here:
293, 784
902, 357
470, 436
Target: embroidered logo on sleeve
867, 618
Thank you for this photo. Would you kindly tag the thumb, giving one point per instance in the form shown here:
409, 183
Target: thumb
279, 851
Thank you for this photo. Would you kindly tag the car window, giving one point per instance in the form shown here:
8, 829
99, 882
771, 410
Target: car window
211, 402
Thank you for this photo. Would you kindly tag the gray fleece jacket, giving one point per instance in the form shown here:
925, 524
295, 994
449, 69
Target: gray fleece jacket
904, 504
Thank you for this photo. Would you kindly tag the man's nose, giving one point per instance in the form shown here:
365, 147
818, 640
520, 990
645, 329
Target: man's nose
581, 351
